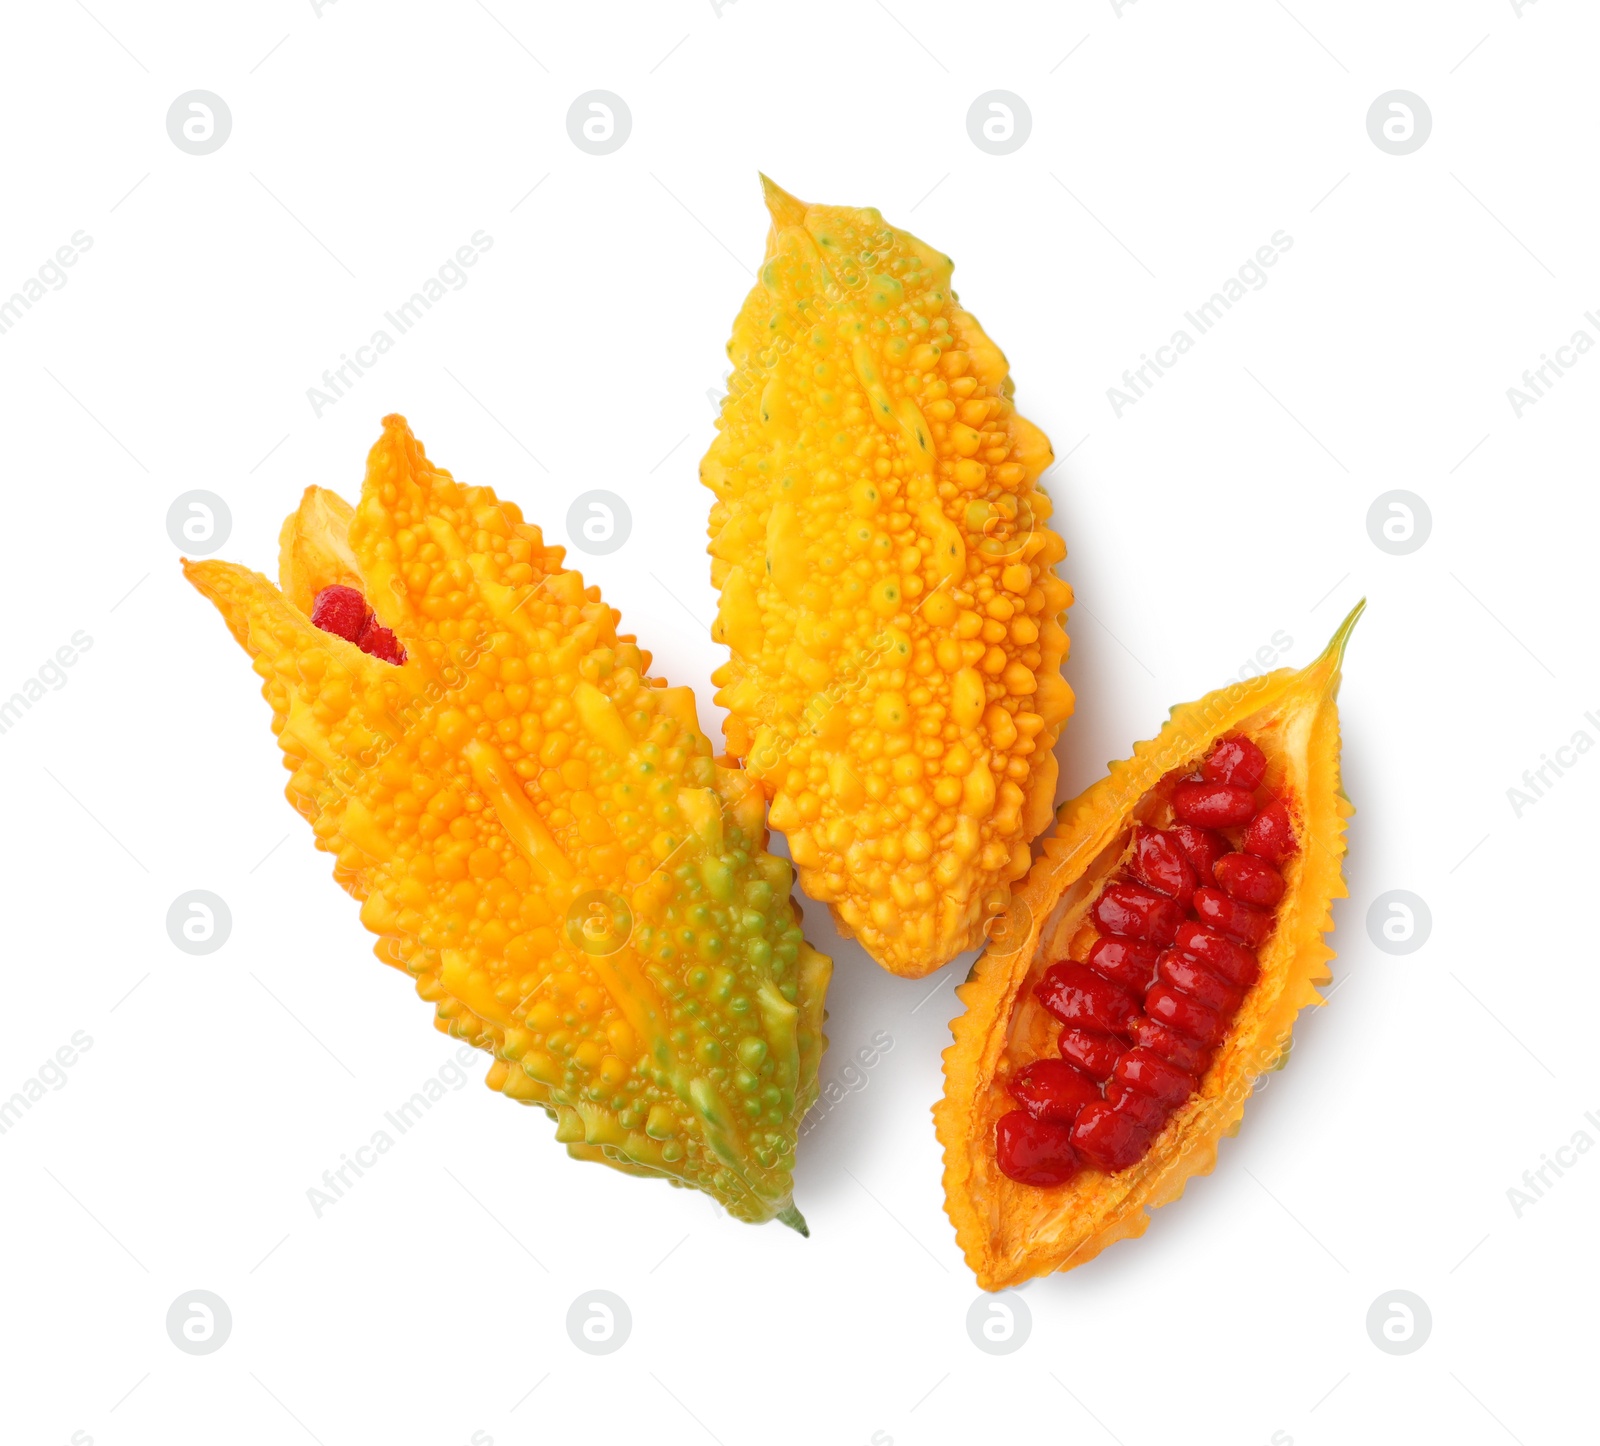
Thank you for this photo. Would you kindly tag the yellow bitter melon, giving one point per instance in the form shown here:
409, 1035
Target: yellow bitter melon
538, 832
887, 592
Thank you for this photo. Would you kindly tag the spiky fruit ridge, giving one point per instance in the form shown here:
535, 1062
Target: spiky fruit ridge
538, 831
1010, 1230
887, 593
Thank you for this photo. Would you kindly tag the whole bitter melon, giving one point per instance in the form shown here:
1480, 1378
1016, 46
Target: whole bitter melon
887, 587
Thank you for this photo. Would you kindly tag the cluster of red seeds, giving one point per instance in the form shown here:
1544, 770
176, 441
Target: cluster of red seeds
1178, 931
344, 612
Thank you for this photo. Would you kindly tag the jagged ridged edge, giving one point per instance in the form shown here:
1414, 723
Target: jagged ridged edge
1086, 825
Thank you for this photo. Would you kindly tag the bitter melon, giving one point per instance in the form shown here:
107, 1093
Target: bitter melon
887, 587
536, 828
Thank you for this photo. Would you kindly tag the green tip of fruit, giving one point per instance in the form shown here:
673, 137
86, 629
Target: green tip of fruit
794, 1220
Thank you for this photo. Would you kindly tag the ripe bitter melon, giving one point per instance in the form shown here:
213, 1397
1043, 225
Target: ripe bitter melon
887, 587
536, 828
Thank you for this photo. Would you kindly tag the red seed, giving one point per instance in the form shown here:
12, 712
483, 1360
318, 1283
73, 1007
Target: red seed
1147, 1072
1201, 847
1223, 957
341, 611
1271, 835
380, 643
1034, 1152
1237, 761
1128, 963
1250, 880
1158, 861
1149, 1114
1189, 1017
1077, 996
1109, 1139
1170, 1045
1050, 1089
1230, 917
1134, 912
1198, 982
1213, 805
1095, 1054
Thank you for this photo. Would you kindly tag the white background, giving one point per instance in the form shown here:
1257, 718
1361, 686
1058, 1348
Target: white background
1228, 505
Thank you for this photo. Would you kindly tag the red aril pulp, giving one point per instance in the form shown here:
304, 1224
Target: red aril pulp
1128, 963
1050, 1089
1178, 932
1036, 1152
1125, 908
1078, 996
342, 611
1250, 880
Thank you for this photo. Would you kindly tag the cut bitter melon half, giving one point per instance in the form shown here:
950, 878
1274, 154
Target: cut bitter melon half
888, 594
536, 828
1159, 951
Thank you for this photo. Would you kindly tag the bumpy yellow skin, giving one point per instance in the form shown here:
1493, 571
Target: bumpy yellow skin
887, 593
1010, 1232
538, 832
